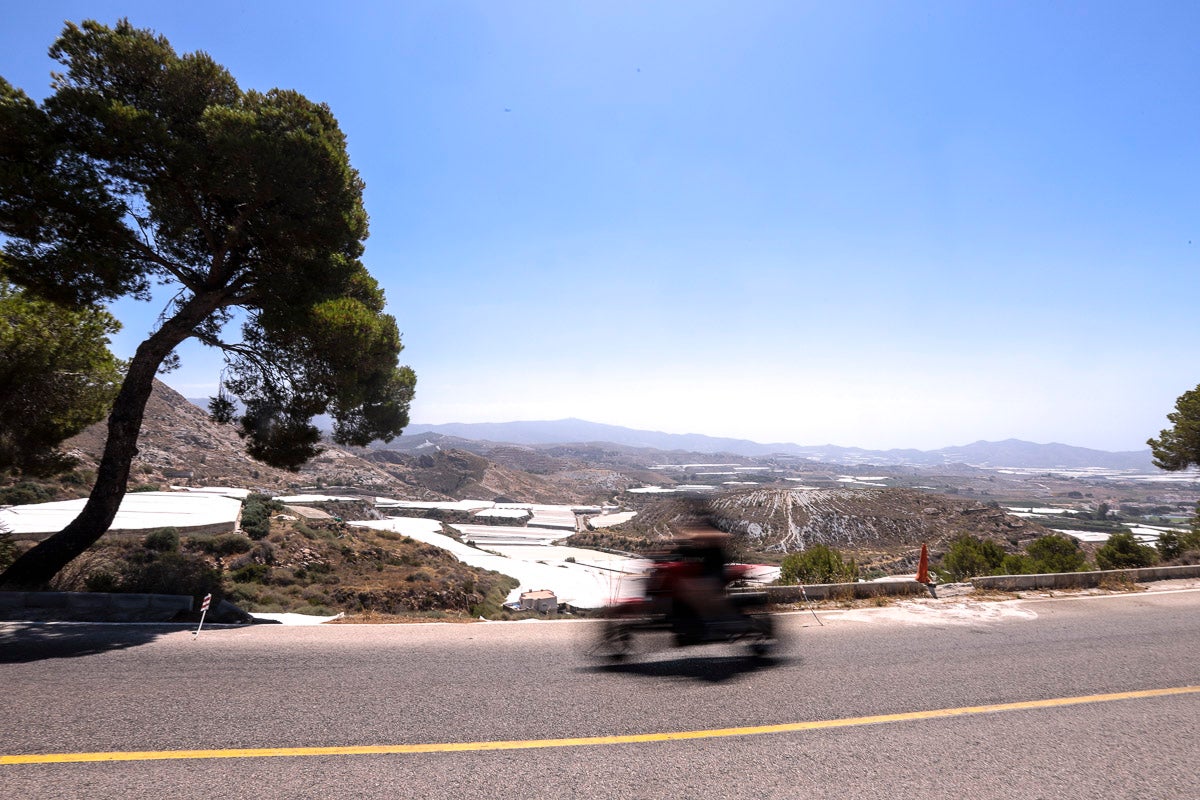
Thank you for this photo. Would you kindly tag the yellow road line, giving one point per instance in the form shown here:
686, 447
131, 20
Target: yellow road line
589, 741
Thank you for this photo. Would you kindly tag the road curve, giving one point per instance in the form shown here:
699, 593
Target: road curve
1064, 698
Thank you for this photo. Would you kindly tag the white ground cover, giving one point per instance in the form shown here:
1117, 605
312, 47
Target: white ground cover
560, 517
384, 503
301, 499
583, 578
608, 520
503, 513
865, 481
591, 581
296, 619
1142, 533
226, 491
1085, 536
139, 511
1026, 511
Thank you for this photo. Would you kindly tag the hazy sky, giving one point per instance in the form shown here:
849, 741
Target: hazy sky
871, 224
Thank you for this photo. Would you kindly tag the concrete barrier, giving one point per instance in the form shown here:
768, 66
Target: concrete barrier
842, 591
92, 606
1083, 580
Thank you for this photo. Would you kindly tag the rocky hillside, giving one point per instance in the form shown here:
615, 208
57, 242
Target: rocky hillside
882, 528
180, 445
463, 475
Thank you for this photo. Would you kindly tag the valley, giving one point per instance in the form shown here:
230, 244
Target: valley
482, 497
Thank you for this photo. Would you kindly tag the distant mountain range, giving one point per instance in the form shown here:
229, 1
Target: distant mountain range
1008, 453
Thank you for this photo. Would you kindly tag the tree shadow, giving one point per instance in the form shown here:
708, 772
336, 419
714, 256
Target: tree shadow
24, 642
713, 669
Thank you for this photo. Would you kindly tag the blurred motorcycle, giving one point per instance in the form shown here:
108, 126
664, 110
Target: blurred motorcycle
680, 599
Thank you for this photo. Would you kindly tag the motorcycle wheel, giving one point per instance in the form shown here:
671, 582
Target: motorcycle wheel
762, 640
616, 641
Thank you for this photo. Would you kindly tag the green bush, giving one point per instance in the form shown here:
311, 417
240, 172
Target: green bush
817, 564
225, 544
25, 493
1056, 553
256, 515
171, 573
251, 573
102, 581
969, 557
1190, 540
1123, 551
1017, 564
228, 544
79, 478
8, 550
163, 540
1169, 546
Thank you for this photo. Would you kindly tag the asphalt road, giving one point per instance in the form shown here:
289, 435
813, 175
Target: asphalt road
872, 704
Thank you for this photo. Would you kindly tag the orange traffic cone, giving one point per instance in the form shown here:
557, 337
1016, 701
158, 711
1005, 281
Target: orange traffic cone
923, 566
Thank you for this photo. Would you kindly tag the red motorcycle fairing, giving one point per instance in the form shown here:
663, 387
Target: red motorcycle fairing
664, 607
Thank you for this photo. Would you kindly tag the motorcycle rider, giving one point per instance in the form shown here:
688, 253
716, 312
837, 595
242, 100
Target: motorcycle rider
701, 605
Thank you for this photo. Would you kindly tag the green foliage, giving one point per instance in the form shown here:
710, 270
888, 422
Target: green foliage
1016, 564
817, 564
222, 409
148, 168
495, 588
225, 544
1056, 553
1178, 447
1168, 546
251, 573
78, 478
1190, 540
25, 493
164, 540
169, 573
1123, 551
8, 548
67, 378
969, 557
1080, 523
102, 581
256, 515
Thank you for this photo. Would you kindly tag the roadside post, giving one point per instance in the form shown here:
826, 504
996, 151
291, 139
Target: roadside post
203, 612
808, 602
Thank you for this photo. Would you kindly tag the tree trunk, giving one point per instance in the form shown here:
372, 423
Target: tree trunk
35, 568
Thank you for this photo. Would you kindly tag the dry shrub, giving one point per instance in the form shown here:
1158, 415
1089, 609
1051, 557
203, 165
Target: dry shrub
90, 571
1120, 582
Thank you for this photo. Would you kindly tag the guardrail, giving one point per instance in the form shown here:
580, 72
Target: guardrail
1003, 583
1083, 580
91, 606
841, 591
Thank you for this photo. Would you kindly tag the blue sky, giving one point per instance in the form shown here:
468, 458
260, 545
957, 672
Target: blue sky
869, 224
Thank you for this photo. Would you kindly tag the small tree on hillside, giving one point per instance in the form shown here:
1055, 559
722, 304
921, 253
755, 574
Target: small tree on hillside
145, 168
1178, 447
1123, 551
1056, 553
1169, 546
